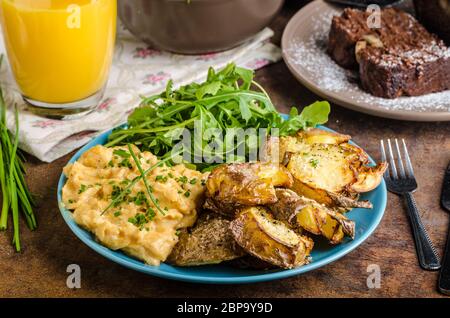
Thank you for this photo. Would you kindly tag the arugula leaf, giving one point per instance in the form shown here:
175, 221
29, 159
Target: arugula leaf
311, 116
141, 114
244, 109
208, 89
169, 88
224, 101
246, 76
316, 113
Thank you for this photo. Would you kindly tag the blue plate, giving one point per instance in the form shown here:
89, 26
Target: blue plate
322, 254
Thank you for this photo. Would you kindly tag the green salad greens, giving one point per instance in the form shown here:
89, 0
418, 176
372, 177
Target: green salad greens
226, 101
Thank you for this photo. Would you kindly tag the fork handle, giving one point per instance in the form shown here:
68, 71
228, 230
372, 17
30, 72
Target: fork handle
444, 276
425, 250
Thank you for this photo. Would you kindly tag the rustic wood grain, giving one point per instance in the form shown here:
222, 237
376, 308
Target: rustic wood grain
40, 270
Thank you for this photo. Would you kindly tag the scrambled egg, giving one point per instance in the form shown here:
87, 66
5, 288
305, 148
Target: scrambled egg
134, 225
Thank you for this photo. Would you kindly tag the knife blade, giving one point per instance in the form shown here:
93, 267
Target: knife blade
444, 275
445, 196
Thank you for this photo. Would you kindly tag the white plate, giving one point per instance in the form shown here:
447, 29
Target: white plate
304, 51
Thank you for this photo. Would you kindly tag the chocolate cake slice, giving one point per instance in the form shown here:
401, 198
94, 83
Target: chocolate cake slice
399, 58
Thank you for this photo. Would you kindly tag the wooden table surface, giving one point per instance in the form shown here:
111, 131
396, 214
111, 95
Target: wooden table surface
40, 270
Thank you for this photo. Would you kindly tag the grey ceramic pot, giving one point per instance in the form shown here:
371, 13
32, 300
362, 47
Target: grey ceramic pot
196, 26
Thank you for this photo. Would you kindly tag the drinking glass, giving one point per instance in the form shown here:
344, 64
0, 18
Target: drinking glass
60, 52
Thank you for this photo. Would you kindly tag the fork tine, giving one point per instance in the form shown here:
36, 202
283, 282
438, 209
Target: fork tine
383, 158
400, 160
392, 161
409, 167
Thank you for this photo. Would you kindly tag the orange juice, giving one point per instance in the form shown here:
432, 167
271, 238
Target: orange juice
60, 51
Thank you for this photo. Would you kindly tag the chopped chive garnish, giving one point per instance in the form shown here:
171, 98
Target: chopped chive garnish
161, 178
140, 198
125, 163
314, 162
136, 179
150, 214
183, 179
139, 220
83, 188
125, 182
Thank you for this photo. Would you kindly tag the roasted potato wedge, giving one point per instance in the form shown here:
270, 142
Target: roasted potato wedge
277, 149
257, 232
369, 178
244, 184
328, 169
210, 241
308, 215
330, 199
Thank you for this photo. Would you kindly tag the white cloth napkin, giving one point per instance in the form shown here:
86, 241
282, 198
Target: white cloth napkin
137, 70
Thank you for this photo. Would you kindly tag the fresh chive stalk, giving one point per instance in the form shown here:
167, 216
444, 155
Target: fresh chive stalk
147, 186
16, 198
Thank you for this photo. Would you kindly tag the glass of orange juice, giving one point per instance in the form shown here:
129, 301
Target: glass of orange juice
60, 51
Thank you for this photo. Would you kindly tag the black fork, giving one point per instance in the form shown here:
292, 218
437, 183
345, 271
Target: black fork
403, 182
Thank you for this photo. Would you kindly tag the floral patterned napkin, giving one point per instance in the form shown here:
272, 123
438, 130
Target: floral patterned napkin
137, 70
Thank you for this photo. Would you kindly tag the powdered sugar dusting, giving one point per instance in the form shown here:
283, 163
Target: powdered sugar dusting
310, 55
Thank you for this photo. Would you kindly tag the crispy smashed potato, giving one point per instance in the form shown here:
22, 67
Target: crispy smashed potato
209, 242
266, 211
328, 169
244, 184
306, 214
273, 241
